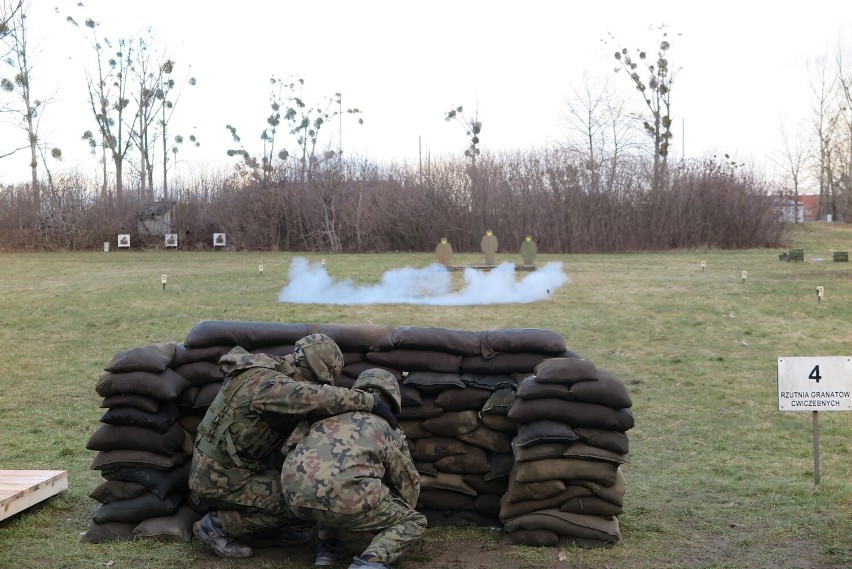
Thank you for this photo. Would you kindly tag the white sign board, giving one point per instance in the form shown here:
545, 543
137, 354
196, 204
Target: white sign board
171, 240
124, 240
218, 240
815, 383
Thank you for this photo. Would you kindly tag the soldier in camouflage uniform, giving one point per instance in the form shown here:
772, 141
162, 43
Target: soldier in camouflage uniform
237, 456
354, 471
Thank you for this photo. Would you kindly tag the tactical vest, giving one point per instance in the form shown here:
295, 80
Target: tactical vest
232, 439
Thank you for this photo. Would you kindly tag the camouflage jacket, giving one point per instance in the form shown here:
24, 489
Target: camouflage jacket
347, 464
260, 415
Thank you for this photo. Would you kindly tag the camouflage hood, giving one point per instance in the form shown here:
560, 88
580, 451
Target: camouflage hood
240, 359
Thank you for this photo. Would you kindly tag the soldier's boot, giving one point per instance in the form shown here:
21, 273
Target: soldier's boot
280, 536
209, 530
330, 552
367, 562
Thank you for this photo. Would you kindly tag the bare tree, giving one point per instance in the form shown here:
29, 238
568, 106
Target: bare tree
792, 158
26, 108
656, 92
825, 119
600, 130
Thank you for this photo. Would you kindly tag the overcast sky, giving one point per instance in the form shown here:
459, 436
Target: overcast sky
742, 68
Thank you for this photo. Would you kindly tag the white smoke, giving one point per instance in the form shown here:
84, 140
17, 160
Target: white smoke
311, 284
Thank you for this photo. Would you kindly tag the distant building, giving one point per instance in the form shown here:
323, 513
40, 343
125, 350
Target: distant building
810, 204
156, 218
791, 211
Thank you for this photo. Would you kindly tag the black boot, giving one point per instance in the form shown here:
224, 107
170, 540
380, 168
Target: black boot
209, 530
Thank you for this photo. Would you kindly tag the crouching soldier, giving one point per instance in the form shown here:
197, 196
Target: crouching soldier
353, 471
236, 462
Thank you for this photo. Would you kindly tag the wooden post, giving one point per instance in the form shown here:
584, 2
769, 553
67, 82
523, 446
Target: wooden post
816, 447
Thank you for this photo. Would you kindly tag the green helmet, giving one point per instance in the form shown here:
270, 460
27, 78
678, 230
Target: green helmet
381, 380
321, 354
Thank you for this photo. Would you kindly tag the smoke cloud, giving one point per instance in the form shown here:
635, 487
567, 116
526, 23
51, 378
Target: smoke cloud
311, 284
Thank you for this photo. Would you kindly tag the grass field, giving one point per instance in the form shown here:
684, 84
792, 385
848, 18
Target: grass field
719, 477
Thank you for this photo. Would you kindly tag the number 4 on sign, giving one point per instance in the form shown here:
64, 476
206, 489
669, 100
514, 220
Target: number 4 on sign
815, 374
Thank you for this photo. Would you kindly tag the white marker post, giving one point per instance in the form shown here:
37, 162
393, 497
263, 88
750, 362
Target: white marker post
164, 279
260, 268
323, 262
745, 275
820, 292
815, 384
703, 265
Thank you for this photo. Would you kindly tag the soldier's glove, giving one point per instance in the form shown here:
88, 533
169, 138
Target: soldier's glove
381, 409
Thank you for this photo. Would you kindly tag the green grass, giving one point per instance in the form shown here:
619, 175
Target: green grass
719, 477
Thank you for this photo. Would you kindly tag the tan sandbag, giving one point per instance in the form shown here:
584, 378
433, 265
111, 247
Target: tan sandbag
566, 469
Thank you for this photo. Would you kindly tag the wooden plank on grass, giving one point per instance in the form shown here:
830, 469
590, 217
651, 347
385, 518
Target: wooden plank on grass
20, 489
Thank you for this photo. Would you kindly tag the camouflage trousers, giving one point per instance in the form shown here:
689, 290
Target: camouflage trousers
396, 524
254, 505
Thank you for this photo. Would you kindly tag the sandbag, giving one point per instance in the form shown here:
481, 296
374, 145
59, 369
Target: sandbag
433, 383
206, 394
499, 423
565, 370
425, 410
520, 340
435, 448
184, 355
136, 509
200, 373
357, 337
410, 396
573, 469
447, 481
501, 363
249, 335
539, 451
444, 500
112, 437
413, 429
159, 482
162, 386
592, 506
111, 531
357, 368
495, 441
568, 524
131, 400
161, 421
542, 432
462, 399
604, 438
499, 465
531, 537
473, 461
439, 339
583, 450
109, 459
490, 382
499, 403
177, 526
153, 358
416, 360
575, 413
452, 423
531, 491
112, 490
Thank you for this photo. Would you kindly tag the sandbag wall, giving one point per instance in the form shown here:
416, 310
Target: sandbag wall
508, 428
